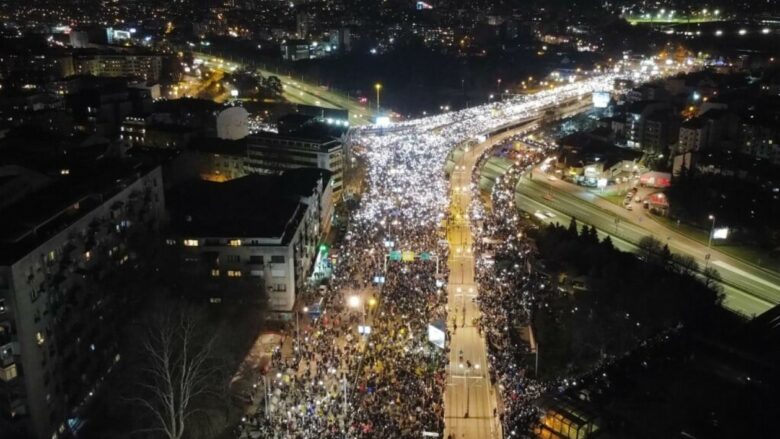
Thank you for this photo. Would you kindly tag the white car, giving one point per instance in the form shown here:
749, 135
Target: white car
549, 214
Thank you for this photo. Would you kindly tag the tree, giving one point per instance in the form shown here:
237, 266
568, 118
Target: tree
179, 368
651, 245
573, 227
712, 279
666, 254
593, 235
274, 84
685, 264
607, 243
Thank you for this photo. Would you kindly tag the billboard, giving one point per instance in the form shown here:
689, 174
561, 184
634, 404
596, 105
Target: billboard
382, 121
436, 335
720, 233
601, 99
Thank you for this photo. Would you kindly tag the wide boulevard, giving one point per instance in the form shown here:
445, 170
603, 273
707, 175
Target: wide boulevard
749, 289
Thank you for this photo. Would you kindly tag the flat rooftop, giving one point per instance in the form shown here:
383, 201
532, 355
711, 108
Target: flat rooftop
257, 206
36, 218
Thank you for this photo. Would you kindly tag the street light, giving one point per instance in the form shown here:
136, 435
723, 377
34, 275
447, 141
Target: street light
297, 325
357, 304
712, 230
377, 87
354, 301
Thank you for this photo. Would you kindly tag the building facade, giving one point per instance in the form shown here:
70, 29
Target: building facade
274, 153
268, 248
147, 67
650, 126
693, 135
58, 322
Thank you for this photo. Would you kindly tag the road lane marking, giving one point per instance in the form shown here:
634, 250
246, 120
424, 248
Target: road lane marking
734, 269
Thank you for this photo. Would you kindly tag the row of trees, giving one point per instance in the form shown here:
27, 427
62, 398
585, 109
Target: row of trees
626, 299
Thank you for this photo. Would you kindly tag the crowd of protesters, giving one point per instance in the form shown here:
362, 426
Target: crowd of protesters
387, 380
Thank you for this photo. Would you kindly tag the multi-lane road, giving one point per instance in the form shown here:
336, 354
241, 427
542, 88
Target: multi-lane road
749, 289
300, 92
469, 399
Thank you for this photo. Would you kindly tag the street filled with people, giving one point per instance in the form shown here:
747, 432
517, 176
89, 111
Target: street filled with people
363, 366
508, 291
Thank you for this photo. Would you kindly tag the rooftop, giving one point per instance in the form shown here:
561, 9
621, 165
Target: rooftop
215, 145
583, 148
694, 123
263, 138
259, 206
28, 223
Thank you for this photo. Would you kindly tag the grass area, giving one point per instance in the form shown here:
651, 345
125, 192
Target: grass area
746, 253
616, 199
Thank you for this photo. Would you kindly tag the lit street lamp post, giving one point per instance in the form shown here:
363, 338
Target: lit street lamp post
266, 401
709, 242
712, 230
354, 302
297, 324
377, 87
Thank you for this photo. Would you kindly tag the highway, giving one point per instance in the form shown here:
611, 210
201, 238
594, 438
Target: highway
469, 399
749, 290
297, 91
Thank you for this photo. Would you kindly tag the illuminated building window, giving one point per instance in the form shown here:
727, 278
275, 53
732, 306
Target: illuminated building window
215, 272
39, 338
234, 273
235, 242
191, 242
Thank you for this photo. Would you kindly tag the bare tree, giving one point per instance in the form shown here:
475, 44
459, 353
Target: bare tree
179, 366
712, 279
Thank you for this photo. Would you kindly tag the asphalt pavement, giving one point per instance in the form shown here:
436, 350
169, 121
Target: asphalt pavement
749, 289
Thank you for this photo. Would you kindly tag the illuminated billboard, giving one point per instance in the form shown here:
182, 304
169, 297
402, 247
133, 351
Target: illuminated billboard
601, 99
436, 335
720, 233
382, 121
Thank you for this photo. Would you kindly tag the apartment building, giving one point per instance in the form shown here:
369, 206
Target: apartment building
145, 66
274, 153
253, 238
651, 126
59, 323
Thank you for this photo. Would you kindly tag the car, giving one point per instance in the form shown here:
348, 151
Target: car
637, 199
629, 207
549, 214
551, 178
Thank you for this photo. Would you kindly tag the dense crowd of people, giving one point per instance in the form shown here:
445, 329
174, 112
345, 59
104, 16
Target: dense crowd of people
508, 291
389, 381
